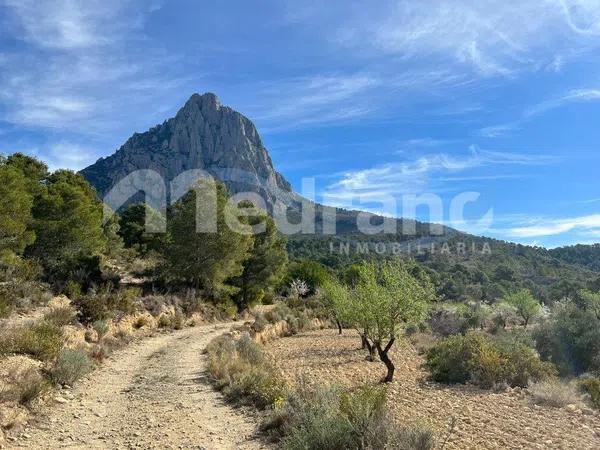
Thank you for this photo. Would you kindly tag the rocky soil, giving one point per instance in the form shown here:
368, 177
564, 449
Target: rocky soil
152, 394
484, 419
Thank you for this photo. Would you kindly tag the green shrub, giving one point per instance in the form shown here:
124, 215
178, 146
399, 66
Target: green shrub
70, 366
315, 421
73, 290
591, 387
5, 306
101, 327
326, 418
479, 359
105, 303
243, 373
570, 338
42, 340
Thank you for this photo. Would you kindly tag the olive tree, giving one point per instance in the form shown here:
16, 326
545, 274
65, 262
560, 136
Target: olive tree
337, 302
386, 297
525, 304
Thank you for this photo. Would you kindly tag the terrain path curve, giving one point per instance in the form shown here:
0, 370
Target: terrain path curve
151, 394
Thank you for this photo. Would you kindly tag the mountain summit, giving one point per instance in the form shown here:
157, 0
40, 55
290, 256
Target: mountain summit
203, 135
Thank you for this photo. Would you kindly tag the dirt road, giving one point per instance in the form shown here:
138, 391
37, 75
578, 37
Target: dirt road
152, 394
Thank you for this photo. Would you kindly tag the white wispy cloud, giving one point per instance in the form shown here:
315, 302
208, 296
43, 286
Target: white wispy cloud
319, 99
415, 177
573, 96
494, 38
541, 227
80, 61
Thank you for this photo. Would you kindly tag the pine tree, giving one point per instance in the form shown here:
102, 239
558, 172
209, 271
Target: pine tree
205, 260
15, 212
67, 220
266, 265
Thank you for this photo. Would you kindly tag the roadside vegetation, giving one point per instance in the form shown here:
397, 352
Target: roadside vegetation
308, 416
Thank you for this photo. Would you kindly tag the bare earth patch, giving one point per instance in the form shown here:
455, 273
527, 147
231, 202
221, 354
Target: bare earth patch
484, 419
152, 394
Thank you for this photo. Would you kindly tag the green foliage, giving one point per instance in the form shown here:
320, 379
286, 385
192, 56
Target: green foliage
311, 272
132, 228
327, 418
15, 212
265, 267
591, 387
105, 302
526, 306
386, 296
584, 255
243, 373
42, 340
336, 302
477, 358
570, 338
101, 327
204, 260
67, 220
34, 170
591, 302
70, 366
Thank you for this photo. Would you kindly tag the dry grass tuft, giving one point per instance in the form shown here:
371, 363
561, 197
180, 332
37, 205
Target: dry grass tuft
555, 393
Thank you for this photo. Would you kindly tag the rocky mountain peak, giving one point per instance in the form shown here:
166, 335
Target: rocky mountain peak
202, 135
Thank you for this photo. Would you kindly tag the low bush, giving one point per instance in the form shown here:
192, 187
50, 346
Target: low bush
297, 319
141, 322
101, 327
554, 393
447, 322
330, 419
70, 366
61, 316
25, 386
590, 386
42, 340
106, 302
22, 295
243, 373
479, 359
5, 306
570, 338
174, 321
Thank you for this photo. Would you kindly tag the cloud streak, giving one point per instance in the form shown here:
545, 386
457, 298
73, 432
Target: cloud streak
544, 227
414, 177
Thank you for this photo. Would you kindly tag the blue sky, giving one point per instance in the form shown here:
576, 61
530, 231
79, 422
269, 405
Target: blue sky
442, 97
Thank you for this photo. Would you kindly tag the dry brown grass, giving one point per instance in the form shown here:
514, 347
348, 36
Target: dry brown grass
555, 393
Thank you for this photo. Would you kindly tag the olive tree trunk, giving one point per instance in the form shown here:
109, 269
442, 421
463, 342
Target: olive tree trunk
384, 356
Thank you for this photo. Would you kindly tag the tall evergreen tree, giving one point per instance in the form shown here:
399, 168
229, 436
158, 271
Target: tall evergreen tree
132, 228
15, 212
67, 220
266, 265
204, 260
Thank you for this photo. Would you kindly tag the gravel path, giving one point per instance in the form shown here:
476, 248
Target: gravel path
152, 394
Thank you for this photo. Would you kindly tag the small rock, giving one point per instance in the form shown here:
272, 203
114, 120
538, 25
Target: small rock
60, 400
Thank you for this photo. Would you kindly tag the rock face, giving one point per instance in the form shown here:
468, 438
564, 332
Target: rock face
203, 135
